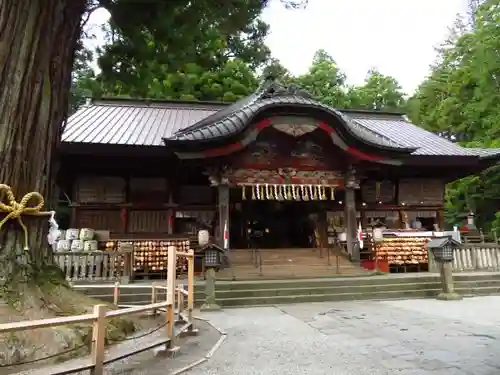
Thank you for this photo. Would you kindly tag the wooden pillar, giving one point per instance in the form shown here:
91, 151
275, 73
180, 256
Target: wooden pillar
351, 227
350, 214
171, 216
223, 203
440, 219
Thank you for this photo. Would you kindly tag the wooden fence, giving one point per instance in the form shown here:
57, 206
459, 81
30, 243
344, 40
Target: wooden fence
473, 257
175, 304
95, 265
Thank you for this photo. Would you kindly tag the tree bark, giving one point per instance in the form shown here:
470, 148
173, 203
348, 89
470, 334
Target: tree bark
37, 44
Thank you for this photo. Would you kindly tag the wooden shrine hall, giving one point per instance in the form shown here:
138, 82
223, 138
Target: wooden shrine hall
275, 170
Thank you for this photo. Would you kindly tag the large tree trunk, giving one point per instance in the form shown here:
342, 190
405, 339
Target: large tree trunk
37, 44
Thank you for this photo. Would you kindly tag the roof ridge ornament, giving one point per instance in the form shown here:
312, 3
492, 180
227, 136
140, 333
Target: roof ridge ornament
273, 87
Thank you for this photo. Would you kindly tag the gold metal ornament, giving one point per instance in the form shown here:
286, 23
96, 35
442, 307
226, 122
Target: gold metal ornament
253, 192
243, 193
332, 193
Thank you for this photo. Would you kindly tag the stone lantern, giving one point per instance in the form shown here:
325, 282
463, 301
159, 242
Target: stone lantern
212, 260
442, 250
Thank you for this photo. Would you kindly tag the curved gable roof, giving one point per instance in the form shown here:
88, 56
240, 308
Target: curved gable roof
237, 117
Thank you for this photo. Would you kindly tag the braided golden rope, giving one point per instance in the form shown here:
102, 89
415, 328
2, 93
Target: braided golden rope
15, 210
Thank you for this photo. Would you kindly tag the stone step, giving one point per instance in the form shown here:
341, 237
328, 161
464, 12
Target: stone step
145, 287
308, 298
287, 263
376, 295
259, 293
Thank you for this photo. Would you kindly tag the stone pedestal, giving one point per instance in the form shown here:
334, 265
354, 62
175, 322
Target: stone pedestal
210, 302
446, 273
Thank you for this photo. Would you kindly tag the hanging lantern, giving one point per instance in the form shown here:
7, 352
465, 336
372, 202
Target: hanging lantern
378, 235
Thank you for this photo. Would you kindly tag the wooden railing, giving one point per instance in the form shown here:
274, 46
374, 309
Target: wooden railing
473, 257
95, 265
175, 304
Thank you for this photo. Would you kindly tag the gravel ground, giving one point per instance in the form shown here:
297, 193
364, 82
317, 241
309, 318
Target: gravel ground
191, 349
413, 337
148, 363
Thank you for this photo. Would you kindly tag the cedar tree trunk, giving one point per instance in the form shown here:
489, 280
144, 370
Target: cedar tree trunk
37, 44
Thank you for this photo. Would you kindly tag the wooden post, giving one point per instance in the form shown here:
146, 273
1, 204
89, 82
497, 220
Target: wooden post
180, 302
473, 255
171, 215
350, 221
127, 252
154, 297
190, 286
223, 199
116, 294
171, 276
98, 340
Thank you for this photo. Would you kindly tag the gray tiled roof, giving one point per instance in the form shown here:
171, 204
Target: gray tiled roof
133, 123
402, 131
485, 152
126, 122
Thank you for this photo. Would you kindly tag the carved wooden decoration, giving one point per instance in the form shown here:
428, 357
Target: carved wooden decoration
295, 130
299, 153
285, 176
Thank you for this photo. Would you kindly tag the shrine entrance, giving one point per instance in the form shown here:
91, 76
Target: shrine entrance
273, 225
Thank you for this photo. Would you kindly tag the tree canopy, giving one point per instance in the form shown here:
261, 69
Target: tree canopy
460, 100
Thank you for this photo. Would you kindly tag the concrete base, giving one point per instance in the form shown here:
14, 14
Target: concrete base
449, 297
210, 307
167, 352
189, 333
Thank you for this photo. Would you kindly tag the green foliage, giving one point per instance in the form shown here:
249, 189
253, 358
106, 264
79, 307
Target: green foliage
324, 80
379, 92
460, 99
82, 80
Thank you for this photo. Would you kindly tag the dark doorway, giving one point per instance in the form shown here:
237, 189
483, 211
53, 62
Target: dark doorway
274, 224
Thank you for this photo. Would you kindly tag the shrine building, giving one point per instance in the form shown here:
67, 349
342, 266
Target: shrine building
302, 174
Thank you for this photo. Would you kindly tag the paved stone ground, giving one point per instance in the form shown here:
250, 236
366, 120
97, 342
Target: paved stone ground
413, 337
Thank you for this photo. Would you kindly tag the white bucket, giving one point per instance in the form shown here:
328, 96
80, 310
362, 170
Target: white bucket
77, 245
203, 237
61, 235
86, 234
342, 237
72, 234
63, 245
90, 245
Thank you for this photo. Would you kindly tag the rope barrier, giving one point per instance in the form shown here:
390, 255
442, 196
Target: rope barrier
43, 358
15, 210
156, 329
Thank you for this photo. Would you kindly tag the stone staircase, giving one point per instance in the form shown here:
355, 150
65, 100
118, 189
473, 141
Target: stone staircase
273, 292
248, 264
